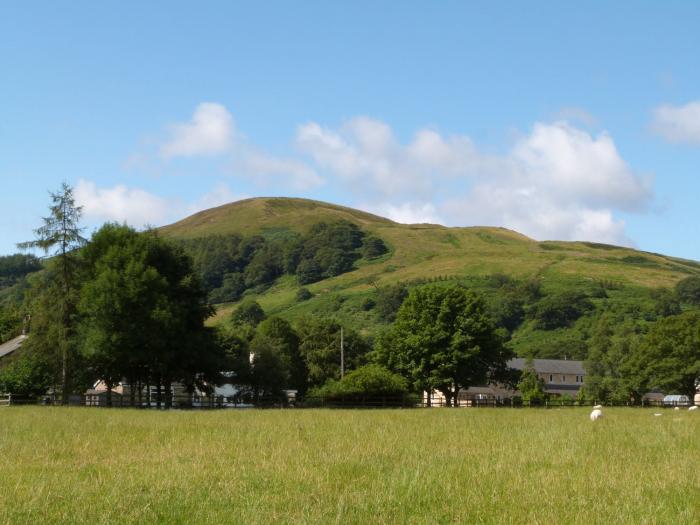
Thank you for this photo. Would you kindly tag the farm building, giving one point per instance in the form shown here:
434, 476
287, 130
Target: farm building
561, 377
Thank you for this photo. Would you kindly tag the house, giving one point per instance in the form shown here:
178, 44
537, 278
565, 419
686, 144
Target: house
98, 398
561, 377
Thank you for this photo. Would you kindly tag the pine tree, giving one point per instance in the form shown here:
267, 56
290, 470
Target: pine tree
59, 237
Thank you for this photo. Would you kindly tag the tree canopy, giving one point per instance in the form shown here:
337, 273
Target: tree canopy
443, 339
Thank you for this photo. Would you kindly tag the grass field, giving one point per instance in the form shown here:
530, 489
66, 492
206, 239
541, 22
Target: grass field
95, 466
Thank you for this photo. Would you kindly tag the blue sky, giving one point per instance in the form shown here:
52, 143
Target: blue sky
560, 121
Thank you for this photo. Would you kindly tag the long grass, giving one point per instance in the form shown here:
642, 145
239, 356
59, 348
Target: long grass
83, 465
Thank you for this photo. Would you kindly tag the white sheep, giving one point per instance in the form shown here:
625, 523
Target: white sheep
596, 414
676, 408
598, 407
693, 407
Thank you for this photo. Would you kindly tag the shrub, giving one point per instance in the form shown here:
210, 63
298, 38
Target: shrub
368, 304
367, 381
373, 247
303, 294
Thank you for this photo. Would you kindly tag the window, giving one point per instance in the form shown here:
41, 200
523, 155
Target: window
550, 378
563, 379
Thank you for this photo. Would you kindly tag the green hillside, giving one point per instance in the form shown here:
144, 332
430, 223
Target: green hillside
428, 252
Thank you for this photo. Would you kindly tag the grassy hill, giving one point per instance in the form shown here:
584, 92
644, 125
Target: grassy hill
420, 252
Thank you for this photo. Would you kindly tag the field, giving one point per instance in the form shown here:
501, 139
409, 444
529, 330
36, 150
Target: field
80, 465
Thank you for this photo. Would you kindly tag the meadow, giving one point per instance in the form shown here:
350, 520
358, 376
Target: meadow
81, 465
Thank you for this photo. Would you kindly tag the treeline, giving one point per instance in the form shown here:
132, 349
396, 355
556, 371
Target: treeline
229, 265
14, 270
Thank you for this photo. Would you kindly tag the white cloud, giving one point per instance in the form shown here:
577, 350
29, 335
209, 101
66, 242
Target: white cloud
558, 181
219, 196
266, 170
406, 212
210, 132
139, 208
678, 123
120, 203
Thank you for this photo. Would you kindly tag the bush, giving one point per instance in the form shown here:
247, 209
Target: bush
303, 294
368, 304
561, 310
389, 300
367, 381
373, 247
309, 271
250, 312
231, 289
688, 290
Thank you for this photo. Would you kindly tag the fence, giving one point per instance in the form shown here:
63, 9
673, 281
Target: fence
203, 402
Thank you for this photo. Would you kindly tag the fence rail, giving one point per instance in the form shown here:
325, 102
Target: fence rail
195, 402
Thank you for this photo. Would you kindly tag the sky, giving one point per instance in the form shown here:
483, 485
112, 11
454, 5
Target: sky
561, 120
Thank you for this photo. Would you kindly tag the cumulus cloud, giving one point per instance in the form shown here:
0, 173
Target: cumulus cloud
139, 208
558, 181
220, 195
120, 203
406, 212
267, 169
209, 132
680, 124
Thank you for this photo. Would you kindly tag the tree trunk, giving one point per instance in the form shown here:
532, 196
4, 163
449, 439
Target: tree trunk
159, 391
132, 393
168, 393
109, 393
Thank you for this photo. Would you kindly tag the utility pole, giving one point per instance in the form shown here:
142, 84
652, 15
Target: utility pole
342, 355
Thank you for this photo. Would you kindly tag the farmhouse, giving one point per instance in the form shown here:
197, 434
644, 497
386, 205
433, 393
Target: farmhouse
561, 377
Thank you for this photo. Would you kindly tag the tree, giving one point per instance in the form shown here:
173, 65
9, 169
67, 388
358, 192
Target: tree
320, 348
250, 313
281, 333
309, 271
688, 290
669, 354
373, 247
443, 339
143, 311
561, 310
531, 385
270, 369
60, 236
389, 300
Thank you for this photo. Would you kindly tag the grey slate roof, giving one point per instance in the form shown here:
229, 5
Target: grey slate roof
12, 345
550, 366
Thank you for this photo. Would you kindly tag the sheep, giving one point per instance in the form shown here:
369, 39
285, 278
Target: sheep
657, 414
693, 407
598, 407
677, 408
596, 414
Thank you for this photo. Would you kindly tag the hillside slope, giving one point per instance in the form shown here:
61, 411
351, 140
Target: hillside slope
428, 250
420, 252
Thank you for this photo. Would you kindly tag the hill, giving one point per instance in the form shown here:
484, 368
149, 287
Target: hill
430, 252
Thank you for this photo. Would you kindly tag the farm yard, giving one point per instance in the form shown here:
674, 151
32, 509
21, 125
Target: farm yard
83, 465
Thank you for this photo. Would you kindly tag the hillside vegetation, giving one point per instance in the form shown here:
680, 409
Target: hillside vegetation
599, 279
